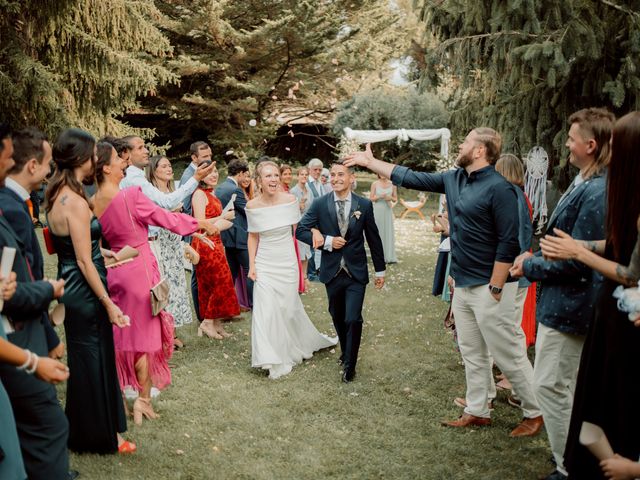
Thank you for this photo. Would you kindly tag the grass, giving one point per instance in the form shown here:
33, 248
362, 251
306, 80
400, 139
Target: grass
221, 419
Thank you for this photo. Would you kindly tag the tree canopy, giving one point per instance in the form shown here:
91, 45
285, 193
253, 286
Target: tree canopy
79, 62
523, 66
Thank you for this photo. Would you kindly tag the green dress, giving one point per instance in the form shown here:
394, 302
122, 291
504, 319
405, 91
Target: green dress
11, 467
94, 402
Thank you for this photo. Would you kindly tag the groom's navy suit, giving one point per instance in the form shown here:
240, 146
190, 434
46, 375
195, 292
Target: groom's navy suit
345, 287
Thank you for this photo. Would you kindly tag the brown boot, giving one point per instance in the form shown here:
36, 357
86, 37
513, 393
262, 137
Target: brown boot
467, 420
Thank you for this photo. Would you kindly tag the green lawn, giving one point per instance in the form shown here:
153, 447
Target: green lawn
221, 419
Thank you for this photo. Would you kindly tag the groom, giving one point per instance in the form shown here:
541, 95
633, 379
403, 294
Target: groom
343, 220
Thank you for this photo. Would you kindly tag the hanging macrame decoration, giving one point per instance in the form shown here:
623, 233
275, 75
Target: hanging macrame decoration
535, 184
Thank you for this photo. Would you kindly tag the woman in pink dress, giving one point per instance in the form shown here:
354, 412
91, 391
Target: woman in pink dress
142, 350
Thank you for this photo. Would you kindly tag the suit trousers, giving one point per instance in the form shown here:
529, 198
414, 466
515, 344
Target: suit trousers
485, 325
236, 258
43, 430
346, 297
554, 380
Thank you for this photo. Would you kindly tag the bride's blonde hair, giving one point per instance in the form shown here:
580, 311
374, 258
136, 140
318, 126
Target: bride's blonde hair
257, 175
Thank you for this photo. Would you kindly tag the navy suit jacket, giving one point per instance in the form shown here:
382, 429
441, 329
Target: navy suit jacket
236, 236
323, 216
17, 214
568, 288
25, 310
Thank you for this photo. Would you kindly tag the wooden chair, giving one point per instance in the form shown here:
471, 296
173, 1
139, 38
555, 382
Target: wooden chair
414, 206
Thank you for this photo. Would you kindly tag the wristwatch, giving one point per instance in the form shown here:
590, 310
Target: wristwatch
495, 290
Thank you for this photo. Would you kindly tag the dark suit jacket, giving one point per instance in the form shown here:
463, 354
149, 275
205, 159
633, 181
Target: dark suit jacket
568, 288
25, 310
17, 214
323, 216
236, 236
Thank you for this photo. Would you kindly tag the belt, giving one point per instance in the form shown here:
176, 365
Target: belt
152, 239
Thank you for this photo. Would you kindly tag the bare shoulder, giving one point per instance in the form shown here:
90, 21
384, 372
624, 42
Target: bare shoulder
287, 198
253, 203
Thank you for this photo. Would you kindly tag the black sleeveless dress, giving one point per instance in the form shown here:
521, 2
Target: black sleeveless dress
94, 402
608, 385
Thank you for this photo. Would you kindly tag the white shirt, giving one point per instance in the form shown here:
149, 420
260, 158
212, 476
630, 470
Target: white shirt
328, 241
169, 201
18, 189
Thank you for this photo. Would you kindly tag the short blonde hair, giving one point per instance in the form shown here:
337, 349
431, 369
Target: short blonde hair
511, 168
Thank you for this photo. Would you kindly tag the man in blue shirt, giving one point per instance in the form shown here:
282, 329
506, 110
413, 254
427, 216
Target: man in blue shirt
483, 219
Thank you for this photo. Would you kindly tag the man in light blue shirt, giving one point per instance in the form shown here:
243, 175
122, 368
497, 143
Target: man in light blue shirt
200, 152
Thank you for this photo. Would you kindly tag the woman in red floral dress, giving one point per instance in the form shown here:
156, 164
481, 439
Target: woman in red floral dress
216, 292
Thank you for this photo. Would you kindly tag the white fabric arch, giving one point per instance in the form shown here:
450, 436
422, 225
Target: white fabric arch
373, 136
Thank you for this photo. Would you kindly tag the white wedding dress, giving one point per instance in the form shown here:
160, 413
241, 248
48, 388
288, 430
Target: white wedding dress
281, 333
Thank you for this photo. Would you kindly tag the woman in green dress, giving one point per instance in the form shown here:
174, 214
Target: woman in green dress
94, 407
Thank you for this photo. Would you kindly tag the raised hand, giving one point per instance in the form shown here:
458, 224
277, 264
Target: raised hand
203, 170
229, 215
362, 159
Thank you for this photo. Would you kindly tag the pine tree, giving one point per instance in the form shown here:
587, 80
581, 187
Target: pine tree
260, 60
79, 63
523, 66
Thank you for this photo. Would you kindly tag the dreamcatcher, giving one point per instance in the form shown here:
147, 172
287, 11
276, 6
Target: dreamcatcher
535, 184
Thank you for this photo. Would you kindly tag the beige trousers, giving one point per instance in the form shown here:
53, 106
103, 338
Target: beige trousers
484, 324
554, 381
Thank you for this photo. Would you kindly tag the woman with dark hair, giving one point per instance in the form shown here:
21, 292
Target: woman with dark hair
142, 349
607, 388
160, 174
94, 402
286, 176
216, 290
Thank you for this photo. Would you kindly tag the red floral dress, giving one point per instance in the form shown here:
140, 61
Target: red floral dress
216, 292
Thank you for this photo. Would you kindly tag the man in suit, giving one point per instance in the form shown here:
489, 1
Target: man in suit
344, 219
32, 158
41, 423
568, 288
200, 152
235, 238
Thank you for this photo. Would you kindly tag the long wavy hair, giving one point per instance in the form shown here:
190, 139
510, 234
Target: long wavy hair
73, 148
151, 171
623, 207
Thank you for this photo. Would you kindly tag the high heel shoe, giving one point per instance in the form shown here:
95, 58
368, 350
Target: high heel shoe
142, 408
207, 328
127, 447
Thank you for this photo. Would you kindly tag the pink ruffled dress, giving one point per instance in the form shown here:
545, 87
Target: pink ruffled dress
130, 284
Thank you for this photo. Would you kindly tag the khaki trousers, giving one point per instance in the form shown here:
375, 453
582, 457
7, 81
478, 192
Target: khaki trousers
484, 324
554, 382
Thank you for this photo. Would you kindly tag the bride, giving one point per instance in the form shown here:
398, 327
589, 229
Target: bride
281, 333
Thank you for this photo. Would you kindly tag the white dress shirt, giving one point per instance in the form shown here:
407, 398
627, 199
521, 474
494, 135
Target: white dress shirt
18, 189
328, 241
169, 201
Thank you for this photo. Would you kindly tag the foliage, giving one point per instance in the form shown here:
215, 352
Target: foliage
270, 63
523, 66
393, 109
79, 63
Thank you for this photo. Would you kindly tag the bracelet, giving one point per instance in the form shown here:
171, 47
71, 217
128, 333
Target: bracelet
103, 297
35, 365
25, 364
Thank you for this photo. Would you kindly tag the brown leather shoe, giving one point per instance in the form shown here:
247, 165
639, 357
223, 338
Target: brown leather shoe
528, 427
468, 420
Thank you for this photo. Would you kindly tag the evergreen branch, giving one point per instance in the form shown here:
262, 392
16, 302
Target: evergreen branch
447, 43
621, 8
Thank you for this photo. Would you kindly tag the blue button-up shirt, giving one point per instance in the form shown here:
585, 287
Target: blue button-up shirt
483, 218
